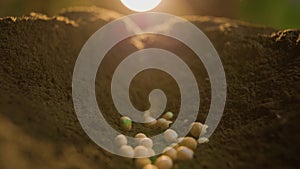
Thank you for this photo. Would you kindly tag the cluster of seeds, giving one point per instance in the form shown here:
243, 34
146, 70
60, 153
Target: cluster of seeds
180, 149
163, 122
143, 146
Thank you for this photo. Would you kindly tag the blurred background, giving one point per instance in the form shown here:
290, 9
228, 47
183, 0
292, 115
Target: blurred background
276, 13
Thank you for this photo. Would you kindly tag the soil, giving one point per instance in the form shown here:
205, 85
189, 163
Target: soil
39, 128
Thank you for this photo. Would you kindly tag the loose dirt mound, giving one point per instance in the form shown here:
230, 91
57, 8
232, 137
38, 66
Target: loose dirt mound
39, 128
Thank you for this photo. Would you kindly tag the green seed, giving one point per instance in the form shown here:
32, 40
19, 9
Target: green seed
126, 123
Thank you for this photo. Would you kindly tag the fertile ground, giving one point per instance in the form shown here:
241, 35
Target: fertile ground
39, 128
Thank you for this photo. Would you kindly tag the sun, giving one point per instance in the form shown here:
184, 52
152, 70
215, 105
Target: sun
141, 5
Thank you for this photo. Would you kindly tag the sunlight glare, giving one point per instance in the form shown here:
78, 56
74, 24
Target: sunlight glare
141, 5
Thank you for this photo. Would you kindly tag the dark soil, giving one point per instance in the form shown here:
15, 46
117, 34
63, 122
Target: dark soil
39, 128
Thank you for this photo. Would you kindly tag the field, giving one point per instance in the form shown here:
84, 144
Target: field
39, 128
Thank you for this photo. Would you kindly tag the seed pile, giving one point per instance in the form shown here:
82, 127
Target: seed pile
180, 149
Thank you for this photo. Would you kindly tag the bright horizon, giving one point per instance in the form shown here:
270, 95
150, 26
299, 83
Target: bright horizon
141, 5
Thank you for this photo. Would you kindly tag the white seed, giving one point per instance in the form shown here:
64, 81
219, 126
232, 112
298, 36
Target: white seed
150, 121
184, 153
163, 123
125, 123
150, 166
204, 130
171, 152
198, 129
189, 142
138, 137
146, 142
168, 115
126, 151
202, 140
151, 152
170, 135
141, 162
120, 140
164, 162
140, 151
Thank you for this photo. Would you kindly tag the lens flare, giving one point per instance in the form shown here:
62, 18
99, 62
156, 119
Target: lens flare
141, 5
